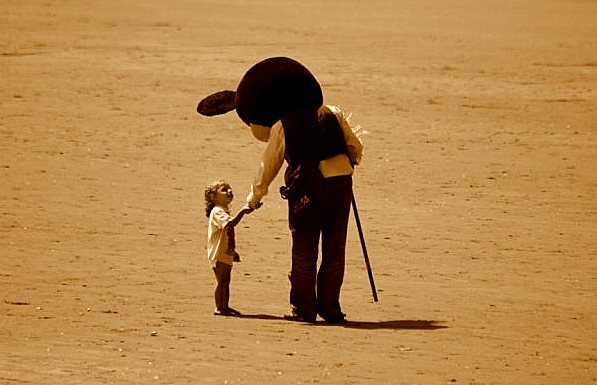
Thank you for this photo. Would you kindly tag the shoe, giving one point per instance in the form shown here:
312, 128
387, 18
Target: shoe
228, 312
293, 316
224, 313
235, 257
334, 318
233, 312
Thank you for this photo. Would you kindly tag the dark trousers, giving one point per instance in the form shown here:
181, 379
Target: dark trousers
313, 291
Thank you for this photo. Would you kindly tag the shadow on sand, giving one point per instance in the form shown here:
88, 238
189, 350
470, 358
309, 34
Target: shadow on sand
262, 316
393, 324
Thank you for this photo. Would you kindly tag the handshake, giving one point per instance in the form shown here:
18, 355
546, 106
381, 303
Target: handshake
251, 207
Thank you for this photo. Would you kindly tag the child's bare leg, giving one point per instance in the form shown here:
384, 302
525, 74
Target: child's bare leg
226, 295
222, 290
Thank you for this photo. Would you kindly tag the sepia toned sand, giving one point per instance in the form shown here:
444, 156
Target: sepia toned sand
476, 193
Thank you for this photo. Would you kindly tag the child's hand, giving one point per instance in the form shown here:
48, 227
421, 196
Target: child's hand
247, 210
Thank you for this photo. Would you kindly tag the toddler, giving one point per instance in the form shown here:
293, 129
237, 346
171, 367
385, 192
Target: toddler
221, 251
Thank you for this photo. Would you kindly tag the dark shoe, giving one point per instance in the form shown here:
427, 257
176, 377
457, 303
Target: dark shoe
293, 316
224, 313
233, 312
334, 318
235, 257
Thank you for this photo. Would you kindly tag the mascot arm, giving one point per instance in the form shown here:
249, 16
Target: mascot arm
271, 163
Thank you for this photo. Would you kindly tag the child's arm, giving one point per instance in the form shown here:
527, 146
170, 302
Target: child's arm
236, 219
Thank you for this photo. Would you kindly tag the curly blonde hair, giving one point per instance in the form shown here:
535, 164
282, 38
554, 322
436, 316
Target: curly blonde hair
210, 194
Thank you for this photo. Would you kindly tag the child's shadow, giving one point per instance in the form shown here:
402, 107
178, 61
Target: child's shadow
393, 324
261, 316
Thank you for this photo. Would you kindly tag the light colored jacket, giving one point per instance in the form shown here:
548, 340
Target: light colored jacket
273, 156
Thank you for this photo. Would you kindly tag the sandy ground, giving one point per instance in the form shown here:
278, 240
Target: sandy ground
476, 193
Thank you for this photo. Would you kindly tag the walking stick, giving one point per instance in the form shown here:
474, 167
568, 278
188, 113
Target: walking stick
356, 218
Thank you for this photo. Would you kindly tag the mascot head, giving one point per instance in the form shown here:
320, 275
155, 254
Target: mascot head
269, 91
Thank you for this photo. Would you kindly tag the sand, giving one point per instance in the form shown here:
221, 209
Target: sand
476, 193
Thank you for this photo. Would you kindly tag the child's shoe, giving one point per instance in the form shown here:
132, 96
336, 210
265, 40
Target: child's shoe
233, 312
228, 312
223, 312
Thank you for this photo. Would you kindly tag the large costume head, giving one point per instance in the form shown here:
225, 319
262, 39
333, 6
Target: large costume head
271, 90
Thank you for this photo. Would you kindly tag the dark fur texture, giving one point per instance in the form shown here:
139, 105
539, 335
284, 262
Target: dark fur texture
269, 91
218, 103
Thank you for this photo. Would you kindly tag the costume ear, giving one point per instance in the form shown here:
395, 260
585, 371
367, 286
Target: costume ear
216, 104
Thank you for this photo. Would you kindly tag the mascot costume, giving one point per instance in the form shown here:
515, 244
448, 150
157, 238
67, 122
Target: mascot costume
280, 91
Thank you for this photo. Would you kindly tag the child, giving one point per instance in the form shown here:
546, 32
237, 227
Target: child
221, 251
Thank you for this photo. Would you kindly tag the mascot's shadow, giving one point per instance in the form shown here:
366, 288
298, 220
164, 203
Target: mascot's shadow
368, 325
394, 324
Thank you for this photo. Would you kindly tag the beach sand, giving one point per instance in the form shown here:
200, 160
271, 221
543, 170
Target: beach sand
476, 193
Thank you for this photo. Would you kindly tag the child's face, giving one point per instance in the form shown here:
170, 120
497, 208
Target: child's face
224, 195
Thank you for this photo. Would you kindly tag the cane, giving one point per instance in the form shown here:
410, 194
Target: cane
356, 218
